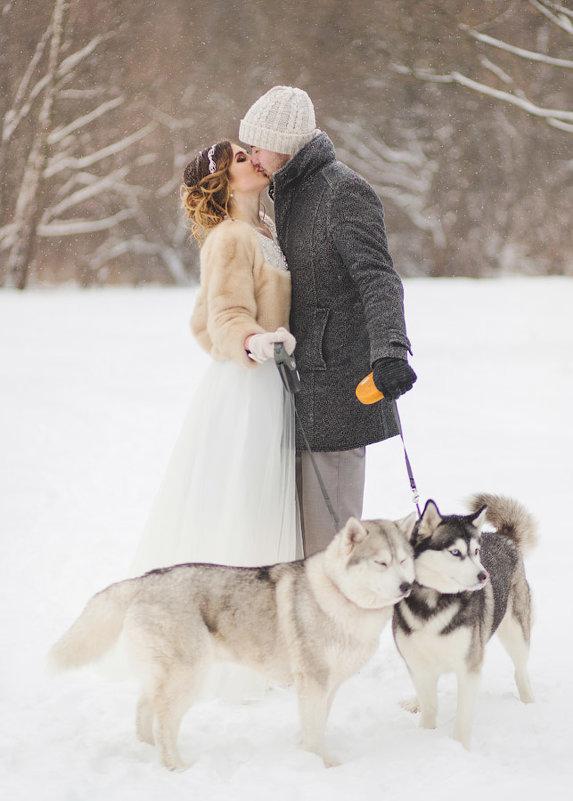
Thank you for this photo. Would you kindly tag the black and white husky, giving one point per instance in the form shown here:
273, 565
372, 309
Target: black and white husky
469, 585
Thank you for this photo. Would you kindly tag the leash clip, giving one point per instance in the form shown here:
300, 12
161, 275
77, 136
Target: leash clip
287, 368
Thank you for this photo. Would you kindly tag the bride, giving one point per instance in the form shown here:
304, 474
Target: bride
228, 496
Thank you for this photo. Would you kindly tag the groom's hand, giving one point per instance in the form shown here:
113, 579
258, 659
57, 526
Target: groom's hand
393, 376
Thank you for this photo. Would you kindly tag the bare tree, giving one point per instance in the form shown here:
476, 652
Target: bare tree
27, 208
513, 94
54, 158
152, 235
466, 170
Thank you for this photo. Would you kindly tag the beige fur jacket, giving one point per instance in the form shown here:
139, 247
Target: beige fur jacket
240, 293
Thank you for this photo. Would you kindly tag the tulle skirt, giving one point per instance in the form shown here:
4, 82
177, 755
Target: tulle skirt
228, 496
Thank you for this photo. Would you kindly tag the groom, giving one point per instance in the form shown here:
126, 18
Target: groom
347, 303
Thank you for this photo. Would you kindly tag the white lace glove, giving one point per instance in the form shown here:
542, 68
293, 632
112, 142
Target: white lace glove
261, 347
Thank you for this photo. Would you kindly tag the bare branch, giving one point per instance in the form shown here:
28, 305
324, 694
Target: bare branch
416, 72
563, 126
81, 94
562, 10
521, 102
7, 236
93, 186
531, 55
498, 71
71, 62
82, 226
25, 96
168, 255
560, 18
19, 108
171, 123
60, 133
57, 164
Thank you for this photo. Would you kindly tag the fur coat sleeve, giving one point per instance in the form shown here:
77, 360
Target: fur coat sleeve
240, 294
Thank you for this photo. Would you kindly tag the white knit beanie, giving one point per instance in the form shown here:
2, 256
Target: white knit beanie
282, 120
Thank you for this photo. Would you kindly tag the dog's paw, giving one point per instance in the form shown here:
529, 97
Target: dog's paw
176, 767
526, 696
330, 761
410, 705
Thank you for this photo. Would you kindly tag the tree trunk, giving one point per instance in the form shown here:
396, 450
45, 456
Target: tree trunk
28, 211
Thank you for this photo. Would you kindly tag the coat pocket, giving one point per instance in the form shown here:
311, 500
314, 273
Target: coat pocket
312, 356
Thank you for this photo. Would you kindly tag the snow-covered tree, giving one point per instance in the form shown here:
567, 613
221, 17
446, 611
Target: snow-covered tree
27, 207
466, 174
68, 187
504, 87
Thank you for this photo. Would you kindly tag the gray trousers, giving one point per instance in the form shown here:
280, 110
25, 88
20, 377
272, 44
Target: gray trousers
343, 475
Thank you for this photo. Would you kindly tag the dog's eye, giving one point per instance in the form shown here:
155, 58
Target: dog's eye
455, 552
382, 564
477, 552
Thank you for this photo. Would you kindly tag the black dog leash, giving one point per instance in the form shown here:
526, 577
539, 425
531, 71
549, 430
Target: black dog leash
290, 376
367, 393
413, 487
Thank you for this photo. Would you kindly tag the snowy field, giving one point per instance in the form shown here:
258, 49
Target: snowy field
94, 387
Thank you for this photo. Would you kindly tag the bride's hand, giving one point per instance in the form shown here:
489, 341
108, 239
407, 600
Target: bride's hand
260, 347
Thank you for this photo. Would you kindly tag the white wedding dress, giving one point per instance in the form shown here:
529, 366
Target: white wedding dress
228, 496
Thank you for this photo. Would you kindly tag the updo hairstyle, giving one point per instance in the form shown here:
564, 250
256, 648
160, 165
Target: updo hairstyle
205, 195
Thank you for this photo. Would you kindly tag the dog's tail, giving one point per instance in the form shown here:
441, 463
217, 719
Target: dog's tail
509, 518
97, 628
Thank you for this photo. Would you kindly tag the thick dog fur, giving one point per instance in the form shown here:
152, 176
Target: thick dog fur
313, 623
468, 586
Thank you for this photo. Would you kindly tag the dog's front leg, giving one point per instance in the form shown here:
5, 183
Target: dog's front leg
426, 684
468, 688
144, 720
314, 701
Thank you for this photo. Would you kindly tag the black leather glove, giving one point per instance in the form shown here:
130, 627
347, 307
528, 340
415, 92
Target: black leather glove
393, 376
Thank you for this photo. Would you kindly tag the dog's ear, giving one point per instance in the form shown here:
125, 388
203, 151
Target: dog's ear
478, 519
353, 533
406, 525
430, 520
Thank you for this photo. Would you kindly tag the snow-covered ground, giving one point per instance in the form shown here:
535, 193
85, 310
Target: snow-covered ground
94, 386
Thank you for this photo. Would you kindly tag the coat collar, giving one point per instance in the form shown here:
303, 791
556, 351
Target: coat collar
313, 156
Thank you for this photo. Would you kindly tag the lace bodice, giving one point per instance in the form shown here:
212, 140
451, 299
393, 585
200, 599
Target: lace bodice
271, 251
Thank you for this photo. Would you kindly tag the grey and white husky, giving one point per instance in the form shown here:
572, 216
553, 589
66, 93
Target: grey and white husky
469, 585
313, 623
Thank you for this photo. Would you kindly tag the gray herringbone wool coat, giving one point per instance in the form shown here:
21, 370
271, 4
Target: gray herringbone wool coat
347, 299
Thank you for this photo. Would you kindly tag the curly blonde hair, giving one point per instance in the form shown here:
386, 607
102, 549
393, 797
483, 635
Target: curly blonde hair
205, 195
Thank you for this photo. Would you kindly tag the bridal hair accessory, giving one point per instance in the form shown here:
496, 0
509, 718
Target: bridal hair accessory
210, 155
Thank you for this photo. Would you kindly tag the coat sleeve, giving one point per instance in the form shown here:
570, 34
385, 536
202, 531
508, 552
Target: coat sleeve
230, 293
359, 235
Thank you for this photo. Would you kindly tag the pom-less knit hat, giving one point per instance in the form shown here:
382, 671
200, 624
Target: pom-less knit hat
282, 120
